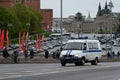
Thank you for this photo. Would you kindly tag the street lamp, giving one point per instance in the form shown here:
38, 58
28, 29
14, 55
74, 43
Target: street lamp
9, 25
56, 25
61, 22
28, 24
111, 6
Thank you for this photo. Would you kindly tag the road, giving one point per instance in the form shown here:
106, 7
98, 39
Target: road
103, 71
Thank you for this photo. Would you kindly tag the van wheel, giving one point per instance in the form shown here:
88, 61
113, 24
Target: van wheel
95, 62
63, 63
82, 62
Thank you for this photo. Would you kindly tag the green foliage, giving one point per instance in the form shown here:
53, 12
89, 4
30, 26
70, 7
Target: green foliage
4, 17
20, 18
78, 17
118, 29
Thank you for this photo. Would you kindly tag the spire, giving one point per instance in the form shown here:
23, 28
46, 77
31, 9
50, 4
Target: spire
99, 10
89, 15
106, 6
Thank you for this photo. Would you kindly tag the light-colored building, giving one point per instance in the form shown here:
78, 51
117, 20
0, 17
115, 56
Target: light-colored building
99, 24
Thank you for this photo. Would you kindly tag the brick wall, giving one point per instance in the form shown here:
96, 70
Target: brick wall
33, 3
7, 3
47, 18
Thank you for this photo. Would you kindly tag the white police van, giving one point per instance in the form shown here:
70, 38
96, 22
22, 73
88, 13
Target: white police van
81, 51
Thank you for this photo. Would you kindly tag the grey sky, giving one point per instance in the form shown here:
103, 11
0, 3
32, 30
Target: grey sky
71, 7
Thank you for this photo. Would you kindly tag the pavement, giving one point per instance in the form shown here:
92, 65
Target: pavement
39, 58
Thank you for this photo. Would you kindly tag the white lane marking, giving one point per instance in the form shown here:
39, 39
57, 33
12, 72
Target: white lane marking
12, 73
27, 71
59, 71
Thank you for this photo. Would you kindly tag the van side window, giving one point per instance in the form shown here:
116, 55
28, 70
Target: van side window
90, 46
93, 46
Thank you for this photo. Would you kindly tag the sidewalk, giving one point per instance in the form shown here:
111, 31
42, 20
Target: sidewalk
40, 59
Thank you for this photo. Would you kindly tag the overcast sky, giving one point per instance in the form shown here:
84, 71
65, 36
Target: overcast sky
71, 7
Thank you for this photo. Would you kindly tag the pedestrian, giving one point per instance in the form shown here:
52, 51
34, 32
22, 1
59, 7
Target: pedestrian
15, 56
61, 49
118, 54
31, 54
5, 53
54, 55
113, 54
25, 53
46, 54
108, 55
58, 53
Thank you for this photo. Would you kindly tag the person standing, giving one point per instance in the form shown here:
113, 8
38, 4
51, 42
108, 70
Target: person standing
5, 53
25, 53
31, 54
46, 54
15, 56
58, 53
118, 54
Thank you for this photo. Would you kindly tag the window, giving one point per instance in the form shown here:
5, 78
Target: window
90, 46
74, 46
93, 46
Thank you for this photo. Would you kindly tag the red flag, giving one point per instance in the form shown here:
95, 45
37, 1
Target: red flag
27, 37
37, 43
23, 36
43, 41
19, 41
2, 40
7, 40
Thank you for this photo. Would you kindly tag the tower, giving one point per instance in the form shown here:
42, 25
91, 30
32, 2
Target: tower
106, 10
99, 13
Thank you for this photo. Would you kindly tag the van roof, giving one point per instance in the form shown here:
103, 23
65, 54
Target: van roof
83, 40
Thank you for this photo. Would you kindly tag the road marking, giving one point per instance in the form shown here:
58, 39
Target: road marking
12, 73
27, 71
49, 71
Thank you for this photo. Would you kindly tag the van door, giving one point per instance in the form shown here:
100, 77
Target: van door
90, 51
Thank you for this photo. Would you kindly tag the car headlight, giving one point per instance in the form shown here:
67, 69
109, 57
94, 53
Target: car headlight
61, 56
76, 55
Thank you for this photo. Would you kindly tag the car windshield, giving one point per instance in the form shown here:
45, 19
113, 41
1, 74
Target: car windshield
74, 46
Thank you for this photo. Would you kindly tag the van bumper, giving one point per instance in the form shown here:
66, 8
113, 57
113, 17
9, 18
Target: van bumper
70, 60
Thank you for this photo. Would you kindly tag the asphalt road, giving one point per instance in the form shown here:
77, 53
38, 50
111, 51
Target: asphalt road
103, 71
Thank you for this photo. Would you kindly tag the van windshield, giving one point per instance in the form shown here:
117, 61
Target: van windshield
74, 46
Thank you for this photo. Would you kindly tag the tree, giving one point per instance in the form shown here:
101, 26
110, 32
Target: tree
30, 19
79, 16
4, 15
35, 21
17, 18
118, 28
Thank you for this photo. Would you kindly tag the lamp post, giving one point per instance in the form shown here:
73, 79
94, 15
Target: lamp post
9, 25
111, 6
56, 25
61, 22
28, 24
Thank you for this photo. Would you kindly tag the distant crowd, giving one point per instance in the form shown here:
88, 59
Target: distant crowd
31, 54
111, 55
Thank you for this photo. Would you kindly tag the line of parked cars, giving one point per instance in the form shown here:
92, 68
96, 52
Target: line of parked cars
48, 44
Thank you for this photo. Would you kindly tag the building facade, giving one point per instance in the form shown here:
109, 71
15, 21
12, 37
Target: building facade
99, 24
